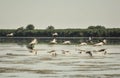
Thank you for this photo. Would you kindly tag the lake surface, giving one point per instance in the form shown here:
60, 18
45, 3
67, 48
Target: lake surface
17, 62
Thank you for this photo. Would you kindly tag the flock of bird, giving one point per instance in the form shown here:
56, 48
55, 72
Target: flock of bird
32, 49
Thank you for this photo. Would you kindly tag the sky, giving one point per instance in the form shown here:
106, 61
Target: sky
61, 14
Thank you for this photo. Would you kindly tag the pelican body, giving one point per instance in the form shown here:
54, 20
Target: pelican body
34, 41
54, 41
10, 35
99, 44
83, 43
66, 42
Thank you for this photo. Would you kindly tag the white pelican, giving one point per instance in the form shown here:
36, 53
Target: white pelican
34, 41
83, 43
54, 41
99, 44
10, 34
67, 42
55, 34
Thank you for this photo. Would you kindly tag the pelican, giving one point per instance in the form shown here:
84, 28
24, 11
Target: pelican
83, 43
34, 41
54, 41
55, 34
101, 43
67, 42
10, 34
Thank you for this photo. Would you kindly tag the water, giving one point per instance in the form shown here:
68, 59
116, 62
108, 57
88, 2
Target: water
17, 62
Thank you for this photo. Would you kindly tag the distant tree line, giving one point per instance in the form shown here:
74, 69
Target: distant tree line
93, 31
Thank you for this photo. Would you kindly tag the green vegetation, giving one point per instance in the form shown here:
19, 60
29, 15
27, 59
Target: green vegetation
93, 31
30, 27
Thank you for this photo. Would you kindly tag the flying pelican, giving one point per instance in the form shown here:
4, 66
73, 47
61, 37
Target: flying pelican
99, 44
54, 41
67, 42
